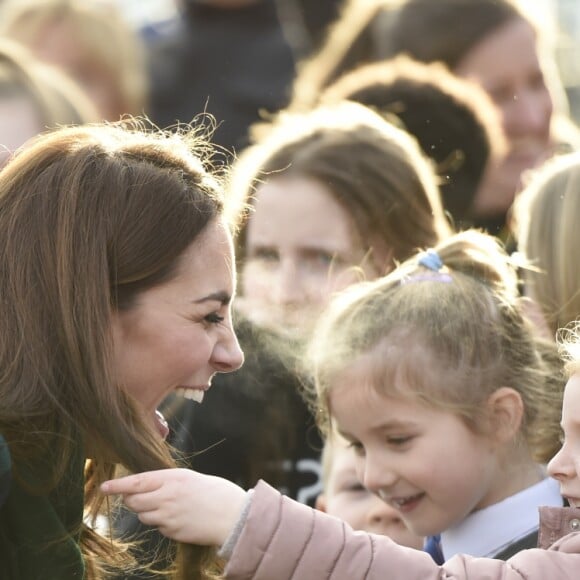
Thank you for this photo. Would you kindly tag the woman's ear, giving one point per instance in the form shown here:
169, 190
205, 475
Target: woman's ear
506, 412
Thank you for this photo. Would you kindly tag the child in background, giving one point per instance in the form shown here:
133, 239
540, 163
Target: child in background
496, 43
454, 121
546, 228
346, 498
439, 383
337, 195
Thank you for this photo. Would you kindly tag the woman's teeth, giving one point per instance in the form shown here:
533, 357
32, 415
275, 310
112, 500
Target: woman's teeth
191, 394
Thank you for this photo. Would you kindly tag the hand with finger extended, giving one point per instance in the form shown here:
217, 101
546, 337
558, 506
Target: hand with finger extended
185, 505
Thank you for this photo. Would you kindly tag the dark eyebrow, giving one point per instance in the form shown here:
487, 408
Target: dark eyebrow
223, 297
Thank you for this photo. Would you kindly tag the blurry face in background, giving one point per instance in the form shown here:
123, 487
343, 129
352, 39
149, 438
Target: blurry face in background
61, 46
301, 247
506, 63
347, 499
19, 122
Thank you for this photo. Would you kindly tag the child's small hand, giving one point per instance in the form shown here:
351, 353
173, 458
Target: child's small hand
186, 506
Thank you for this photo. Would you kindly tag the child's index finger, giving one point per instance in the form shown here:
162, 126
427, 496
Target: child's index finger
137, 483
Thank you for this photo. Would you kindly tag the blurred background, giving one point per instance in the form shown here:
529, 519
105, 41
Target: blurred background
149, 16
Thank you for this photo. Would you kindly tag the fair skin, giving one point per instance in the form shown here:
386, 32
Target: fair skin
346, 498
422, 460
507, 65
468, 464
179, 334
301, 248
565, 466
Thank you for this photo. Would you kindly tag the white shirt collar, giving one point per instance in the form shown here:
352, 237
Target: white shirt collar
487, 532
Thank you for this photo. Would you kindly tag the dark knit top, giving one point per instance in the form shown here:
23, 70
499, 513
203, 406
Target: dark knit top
39, 529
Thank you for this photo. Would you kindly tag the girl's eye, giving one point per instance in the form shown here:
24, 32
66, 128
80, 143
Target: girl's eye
214, 318
399, 441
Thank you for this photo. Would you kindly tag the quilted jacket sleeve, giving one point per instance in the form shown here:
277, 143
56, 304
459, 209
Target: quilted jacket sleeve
284, 540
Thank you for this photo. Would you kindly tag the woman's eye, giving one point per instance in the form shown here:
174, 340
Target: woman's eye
214, 318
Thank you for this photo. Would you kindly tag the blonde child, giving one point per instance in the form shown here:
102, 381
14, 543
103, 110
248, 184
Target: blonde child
545, 223
438, 382
346, 498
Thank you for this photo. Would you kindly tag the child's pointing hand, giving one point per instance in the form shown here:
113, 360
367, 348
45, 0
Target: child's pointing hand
186, 506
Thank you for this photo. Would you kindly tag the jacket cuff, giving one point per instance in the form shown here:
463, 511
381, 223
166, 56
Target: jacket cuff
228, 546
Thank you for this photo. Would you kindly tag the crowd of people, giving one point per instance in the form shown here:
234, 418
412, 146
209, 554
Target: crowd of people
287, 291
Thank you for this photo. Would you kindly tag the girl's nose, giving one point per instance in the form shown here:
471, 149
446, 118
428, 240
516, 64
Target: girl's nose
376, 476
561, 466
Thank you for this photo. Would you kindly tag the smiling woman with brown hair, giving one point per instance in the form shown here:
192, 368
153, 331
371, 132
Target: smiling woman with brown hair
116, 287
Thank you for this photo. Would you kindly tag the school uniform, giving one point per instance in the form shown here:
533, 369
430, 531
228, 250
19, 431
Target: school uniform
504, 528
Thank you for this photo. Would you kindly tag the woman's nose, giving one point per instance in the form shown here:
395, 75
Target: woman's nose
227, 354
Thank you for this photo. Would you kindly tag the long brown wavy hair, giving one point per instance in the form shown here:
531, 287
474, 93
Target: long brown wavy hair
89, 218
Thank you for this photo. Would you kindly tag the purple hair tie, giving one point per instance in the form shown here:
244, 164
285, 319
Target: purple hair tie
427, 277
